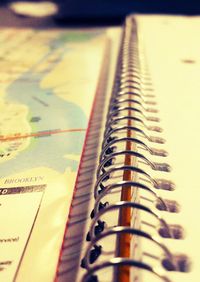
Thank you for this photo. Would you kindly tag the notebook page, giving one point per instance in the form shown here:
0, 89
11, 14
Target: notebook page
46, 99
172, 51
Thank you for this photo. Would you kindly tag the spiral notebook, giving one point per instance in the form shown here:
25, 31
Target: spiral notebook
135, 207
141, 223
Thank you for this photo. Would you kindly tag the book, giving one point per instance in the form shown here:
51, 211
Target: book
142, 220
124, 205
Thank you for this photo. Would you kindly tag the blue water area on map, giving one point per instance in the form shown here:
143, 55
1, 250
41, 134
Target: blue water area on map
54, 113
47, 152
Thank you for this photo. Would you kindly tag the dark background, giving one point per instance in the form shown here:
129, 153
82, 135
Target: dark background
120, 7
115, 10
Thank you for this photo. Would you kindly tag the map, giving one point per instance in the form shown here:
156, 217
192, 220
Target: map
48, 80
46, 106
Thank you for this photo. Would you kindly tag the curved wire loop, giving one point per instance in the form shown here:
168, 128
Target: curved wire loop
153, 151
133, 205
127, 230
118, 261
122, 168
117, 120
115, 112
125, 184
153, 165
134, 129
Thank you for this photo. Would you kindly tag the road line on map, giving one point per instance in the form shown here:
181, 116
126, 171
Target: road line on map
38, 134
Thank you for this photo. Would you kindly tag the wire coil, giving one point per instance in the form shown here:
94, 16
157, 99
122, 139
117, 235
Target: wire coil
132, 101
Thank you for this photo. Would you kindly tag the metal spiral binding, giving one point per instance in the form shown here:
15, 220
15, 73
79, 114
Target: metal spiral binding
131, 101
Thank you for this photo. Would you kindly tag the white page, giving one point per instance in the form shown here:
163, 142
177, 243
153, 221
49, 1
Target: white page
19, 206
172, 49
